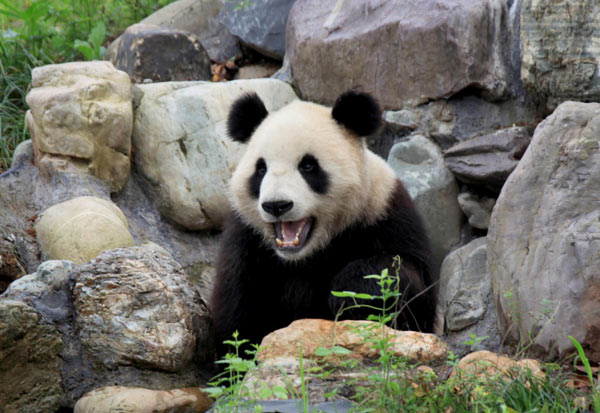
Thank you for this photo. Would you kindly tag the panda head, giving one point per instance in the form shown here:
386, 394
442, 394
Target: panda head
305, 174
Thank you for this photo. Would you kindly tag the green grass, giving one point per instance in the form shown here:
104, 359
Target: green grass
38, 32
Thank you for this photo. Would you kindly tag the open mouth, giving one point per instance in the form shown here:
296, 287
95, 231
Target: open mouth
292, 235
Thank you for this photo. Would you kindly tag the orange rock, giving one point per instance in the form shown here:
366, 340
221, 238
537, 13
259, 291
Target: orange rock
356, 336
488, 364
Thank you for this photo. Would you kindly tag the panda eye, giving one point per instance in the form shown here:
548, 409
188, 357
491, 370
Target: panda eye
261, 167
308, 163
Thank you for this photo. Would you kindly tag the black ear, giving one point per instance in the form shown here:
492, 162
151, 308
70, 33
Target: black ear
357, 111
246, 113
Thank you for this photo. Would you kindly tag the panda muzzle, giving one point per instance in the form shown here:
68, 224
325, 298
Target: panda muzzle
292, 234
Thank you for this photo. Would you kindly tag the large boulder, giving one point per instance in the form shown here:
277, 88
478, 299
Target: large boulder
80, 120
419, 164
138, 307
560, 44
30, 350
159, 54
544, 236
406, 52
181, 146
81, 228
198, 17
259, 24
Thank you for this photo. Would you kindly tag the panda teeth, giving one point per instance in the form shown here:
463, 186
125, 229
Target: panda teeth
279, 242
296, 241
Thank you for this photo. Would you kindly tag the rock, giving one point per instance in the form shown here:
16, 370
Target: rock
486, 365
489, 159
23, 153
315, 333
465, 286
181, 147
406, 52
79, 229
80, 120
259, 24
137, 307
560, 45
30, 360
478, 209
138, 400
50, 276
544, 236
159, 54
419, 164
256, 71
199, 18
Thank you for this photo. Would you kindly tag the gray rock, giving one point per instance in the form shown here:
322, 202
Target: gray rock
23, 153
406, 52
419, 164
181, 148
544, 236
478, 209
159, 54
30, 350
259, 24
137, 307
465, 287
560, 45
489, 159
465, 300
199, 18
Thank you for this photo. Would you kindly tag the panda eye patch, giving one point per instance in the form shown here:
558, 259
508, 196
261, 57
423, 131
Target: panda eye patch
260, 170
261, 167
313, 174
308, 164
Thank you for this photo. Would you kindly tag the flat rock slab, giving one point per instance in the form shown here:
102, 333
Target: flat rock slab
405, 52
488, 159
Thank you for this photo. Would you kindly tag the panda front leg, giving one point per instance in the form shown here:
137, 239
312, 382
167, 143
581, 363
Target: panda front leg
416, 302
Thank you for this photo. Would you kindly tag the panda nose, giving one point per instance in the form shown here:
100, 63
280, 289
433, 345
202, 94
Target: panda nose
277, 208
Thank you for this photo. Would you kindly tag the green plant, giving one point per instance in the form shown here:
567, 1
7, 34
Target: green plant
92, 49
227, 387
588, 369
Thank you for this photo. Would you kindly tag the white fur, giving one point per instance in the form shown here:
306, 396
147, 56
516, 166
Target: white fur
360, 183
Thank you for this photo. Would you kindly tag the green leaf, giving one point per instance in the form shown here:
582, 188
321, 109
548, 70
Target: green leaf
85, 49
364, 296
343, 294
323, 352
340, 350
97, 36
280, 392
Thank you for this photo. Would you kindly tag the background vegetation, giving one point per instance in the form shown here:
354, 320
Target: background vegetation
38, 32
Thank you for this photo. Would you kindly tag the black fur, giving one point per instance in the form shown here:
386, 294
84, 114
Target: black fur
256, 179
313, 174
357, 111
256, 292
246, 113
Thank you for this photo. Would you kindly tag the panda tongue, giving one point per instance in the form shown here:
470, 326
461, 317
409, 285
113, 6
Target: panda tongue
289, 229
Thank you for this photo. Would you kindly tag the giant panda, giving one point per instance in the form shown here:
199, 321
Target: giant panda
314, 210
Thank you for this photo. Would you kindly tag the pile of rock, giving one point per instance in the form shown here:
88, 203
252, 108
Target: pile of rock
113, 208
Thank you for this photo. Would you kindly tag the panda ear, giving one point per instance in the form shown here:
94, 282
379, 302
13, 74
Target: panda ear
246, 113
357, 111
